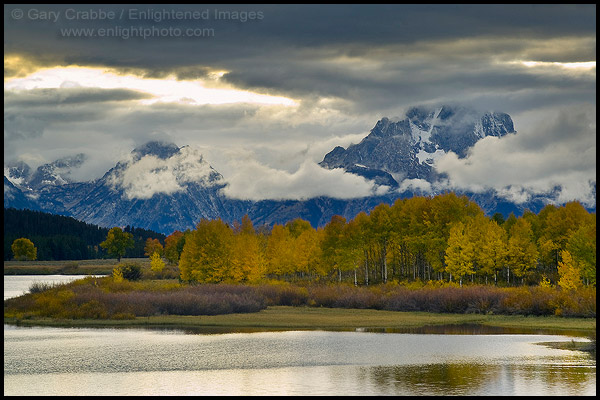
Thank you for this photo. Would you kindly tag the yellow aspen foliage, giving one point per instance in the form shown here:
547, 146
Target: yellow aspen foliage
545, 282
117, 275
156, 262
207, 252
174, 246
522, 251
569, 276
582, 247
117, 242
280, 251
460, 253
492, 253
247, 260
24, 249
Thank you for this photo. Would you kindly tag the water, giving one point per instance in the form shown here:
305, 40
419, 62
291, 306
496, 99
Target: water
71, 361
16, 285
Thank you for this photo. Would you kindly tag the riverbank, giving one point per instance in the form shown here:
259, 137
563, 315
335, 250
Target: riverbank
321, 318
76, 267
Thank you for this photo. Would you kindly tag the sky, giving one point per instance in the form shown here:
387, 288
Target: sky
263, 92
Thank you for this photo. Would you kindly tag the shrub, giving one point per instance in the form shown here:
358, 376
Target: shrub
130, 271
39, 287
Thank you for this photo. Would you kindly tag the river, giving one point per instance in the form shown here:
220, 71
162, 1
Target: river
85, 361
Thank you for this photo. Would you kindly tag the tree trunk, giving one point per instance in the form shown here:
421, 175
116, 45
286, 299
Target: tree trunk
384, 266
366, 269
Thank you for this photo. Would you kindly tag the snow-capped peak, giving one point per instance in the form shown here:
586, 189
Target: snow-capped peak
157, 168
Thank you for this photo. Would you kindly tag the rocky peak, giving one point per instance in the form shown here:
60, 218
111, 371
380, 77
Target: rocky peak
57, 172
160, 149
409, 148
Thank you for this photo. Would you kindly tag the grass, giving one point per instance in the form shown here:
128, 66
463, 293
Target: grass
77, 267
299, 318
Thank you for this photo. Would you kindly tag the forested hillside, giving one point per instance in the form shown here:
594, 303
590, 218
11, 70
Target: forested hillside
58, 237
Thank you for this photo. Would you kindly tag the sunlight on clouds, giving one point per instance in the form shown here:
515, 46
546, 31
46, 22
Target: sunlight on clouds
582, 66
17, 66
167, 90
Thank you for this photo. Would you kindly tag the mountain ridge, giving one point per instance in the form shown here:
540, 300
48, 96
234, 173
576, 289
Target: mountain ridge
163, 187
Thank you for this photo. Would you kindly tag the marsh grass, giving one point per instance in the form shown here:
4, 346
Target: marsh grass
301, 318
103, 298
79, 267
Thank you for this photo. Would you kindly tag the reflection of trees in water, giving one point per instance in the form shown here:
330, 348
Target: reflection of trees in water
437, 379
564, 377
480, 329
474, 379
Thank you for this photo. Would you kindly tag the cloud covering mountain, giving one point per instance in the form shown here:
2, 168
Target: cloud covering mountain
163, 187
264, 100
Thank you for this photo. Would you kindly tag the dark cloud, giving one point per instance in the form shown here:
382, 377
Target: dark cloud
349, 28
66, 96
346, 66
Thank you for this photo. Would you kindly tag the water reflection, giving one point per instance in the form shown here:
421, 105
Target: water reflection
60, 361
483, 379
477, 329
437, 379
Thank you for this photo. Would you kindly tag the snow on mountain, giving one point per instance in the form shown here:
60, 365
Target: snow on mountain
156, 168
15, 197
55, 173
17, 173
163, 187
409, 148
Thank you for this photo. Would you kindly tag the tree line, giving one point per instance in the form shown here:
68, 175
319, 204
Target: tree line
442, 238
58, 237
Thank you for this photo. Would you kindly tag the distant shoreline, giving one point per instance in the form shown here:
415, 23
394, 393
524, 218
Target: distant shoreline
67, 267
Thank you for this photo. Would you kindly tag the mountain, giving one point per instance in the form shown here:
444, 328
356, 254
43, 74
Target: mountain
407, 149
163, 187
15, 197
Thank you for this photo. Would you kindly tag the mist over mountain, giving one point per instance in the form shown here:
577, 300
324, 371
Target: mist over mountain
407, 149
163, 187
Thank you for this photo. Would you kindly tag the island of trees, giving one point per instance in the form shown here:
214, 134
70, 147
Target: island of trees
440, 254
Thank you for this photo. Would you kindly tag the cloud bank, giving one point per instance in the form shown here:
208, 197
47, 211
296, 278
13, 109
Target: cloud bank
556, 157
341, 67
150, 175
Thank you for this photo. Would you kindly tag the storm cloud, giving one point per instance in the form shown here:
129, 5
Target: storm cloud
332, 73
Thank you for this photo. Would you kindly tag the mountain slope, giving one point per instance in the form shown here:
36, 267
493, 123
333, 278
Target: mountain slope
406, 149
163, 187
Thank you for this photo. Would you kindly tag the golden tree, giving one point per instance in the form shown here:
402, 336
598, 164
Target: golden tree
460, 253
207, 253
156, 262
24, 249
522, 253
569, 276
117, 242
153, 246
